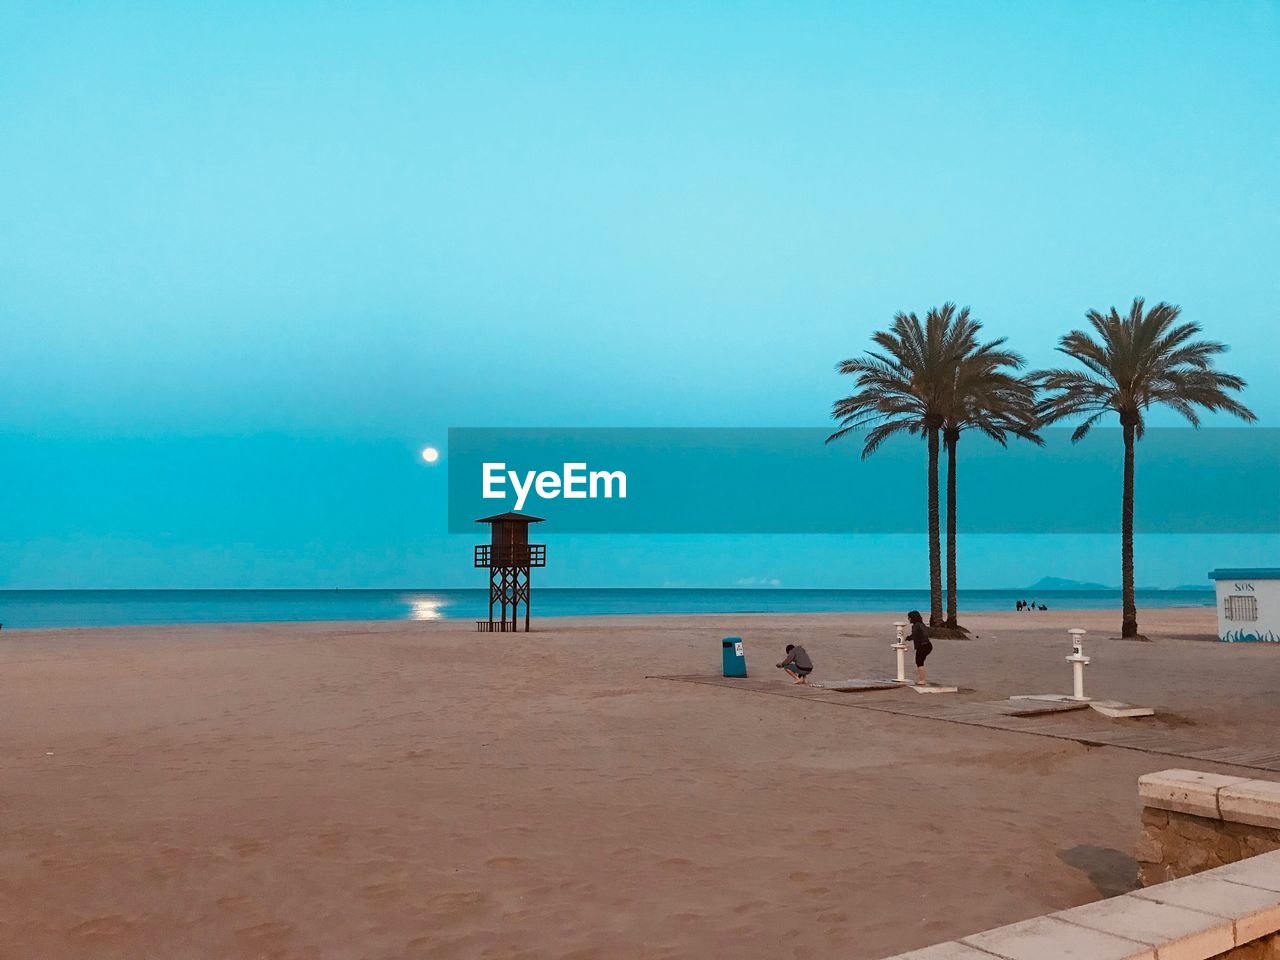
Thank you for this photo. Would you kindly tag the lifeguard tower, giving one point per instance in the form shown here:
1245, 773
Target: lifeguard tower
509, 556
1248, 604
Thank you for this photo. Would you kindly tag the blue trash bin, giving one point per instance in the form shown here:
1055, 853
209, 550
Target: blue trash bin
735, 661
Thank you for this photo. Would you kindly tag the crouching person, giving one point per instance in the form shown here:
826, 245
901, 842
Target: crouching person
797, 663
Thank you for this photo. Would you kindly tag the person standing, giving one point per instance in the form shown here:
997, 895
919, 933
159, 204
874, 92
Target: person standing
920, 640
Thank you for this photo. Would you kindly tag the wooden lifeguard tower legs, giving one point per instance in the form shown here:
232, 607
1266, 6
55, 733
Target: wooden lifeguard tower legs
508, 586
509, 556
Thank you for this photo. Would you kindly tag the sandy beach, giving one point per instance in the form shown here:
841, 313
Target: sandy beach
400, 790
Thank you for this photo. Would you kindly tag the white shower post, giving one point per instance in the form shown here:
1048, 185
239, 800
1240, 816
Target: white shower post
901, 648
1078, 662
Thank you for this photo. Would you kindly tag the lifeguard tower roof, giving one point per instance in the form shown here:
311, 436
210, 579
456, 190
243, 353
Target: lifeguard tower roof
510, 518
1245, 573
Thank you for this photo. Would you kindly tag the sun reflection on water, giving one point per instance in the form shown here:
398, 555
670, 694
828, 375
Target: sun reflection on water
425, 610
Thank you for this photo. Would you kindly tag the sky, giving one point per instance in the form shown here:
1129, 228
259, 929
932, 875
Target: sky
254, 256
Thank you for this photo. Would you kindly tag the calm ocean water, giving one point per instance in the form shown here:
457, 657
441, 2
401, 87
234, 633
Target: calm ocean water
101, 608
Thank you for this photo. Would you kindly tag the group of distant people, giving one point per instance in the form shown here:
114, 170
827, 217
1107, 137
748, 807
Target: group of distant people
1024, 605
798, 663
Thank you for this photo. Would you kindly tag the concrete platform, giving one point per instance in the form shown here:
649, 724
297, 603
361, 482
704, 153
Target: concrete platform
855, 685
1114, 708
1108, 708
1036, 706
1050, 697
933, 688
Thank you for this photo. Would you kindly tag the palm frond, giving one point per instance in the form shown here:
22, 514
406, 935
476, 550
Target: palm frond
1132, 362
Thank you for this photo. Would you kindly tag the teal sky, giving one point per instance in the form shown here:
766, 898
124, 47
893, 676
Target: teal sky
237, 239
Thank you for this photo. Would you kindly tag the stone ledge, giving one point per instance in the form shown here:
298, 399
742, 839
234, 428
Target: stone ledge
1050, 936
947, 951
1268, 948
1262, 871
1185, 791
1255, 802
1170, 929
1254, 912
1173, 845
1195, 918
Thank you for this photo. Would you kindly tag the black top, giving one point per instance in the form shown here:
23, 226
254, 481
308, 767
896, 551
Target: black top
920, 635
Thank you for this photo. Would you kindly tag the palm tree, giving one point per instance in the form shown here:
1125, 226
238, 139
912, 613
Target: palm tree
1137, 360
987, 396
905, 388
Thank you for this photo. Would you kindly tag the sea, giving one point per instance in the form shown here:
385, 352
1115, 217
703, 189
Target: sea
43, 609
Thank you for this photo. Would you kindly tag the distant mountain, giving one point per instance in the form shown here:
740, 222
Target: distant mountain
1060, 583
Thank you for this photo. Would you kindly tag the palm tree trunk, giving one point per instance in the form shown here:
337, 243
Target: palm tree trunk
951, 438
1129, 626
935, 546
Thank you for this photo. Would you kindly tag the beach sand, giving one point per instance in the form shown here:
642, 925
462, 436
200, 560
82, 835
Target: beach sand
402, 790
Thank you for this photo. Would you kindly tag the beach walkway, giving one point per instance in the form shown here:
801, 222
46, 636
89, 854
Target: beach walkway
1081, 726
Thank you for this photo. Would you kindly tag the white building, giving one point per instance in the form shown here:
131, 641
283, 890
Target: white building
1248, 604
